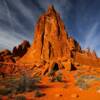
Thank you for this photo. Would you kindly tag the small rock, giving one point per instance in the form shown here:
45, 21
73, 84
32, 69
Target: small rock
74, 95
58, 95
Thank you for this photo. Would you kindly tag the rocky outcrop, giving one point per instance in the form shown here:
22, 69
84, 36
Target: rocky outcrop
17, 53
74, 45
6, 56
87, 57
21, 49
51, 41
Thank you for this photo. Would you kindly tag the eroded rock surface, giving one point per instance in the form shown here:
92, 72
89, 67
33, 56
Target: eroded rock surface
6, 56
51, 47
51, 41
21, 49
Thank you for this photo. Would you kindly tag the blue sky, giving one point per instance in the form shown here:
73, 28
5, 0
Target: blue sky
81, 19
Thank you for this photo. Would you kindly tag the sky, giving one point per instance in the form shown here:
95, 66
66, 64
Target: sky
81, 18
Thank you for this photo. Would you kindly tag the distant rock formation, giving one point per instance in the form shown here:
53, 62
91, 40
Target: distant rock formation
21, 49
17, 52
87, 57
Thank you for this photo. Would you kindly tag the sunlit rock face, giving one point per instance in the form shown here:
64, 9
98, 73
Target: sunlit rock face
51, 44
50, 37
52, 49
51, 41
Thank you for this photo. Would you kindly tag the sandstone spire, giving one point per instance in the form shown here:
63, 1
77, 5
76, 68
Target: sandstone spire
51, 9
50, 39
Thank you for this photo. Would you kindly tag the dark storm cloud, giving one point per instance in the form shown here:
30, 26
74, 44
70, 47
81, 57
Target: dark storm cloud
18, 19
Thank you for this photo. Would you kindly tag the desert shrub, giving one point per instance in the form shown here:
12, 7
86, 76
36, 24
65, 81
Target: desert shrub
82, 83
19, 84
36, 79
20, 98
97, 79
5, 91
25, 83
57, 78
88, 77
39, 94
51, 73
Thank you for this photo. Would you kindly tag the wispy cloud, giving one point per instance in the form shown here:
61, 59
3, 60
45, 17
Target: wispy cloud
12, 28
18, 19
90, 35
8, 40
92, 38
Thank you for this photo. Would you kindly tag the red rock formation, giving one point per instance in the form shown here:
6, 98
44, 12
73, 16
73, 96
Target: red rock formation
52, 48
84, 59
6, 56
87, 57
51, 42
74, 45
21, 49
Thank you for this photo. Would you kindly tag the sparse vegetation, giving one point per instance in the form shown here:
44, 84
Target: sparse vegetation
20, 84
5, 91
57, 78
97, 78
20, 97
39, 94
36, 79
27, 83
82, 83
24, 83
